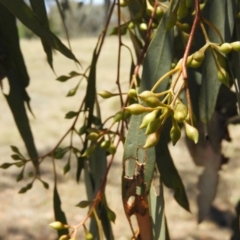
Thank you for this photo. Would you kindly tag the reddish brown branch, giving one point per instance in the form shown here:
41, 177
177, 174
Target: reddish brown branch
185, 57
190, 40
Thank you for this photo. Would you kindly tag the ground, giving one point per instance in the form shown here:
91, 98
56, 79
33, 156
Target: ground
26, 216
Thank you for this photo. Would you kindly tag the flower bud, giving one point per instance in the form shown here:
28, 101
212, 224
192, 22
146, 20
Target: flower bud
153, 126
137, 109
225, 48
131, 25
122, 115
159, 13
198, 56
132, 93
93, 136
89, 151
189, 60
195, 64
171, 20
182, 10
58, 225
146, 94
64, 237
123, 3
143, 26
112, 149
175, 132
106, 94
149, 8
152, 101
105, 144
89, 236
149, 117
151, 140
236, 46
184, 27
180, 112
191, 132
223, 77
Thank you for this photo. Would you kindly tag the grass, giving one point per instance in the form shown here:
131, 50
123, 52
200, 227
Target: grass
27, 216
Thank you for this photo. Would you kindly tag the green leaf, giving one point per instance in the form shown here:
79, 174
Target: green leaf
71, 114
38, 7
6, 165
84, 204
20, 175
23, 190
67, 167
157, 207
73, 91
80, 167
45, 184
19, 164
22, 11
18, 80
15, 157
210, 83
167, 169
82, 130
91, 89
59, 214
15, 149
60, 152
111, 215
64, 78
26, 188
96, 121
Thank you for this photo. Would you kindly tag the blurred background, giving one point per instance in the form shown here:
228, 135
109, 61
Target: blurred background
26, 216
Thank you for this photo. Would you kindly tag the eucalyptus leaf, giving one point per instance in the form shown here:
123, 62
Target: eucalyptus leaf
15, 149
23, 12
71, 114
84, 204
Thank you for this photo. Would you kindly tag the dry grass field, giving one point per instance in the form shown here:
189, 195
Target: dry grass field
26, 216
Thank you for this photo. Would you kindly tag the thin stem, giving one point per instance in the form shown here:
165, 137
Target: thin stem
204, 32
213, 27
190, 40
119, 54
185, 56
171, 72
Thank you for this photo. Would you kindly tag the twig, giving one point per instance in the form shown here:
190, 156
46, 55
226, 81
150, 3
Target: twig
185, 57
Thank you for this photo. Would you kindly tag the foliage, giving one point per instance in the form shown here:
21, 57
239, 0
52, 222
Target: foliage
188, 53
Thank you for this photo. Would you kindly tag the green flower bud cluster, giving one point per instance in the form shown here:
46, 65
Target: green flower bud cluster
195, 60
221, 63
228, 47
97, 137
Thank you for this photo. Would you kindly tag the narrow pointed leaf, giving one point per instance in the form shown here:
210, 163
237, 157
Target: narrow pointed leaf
59, 214
22, 11
210, 83
39, 8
